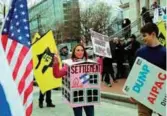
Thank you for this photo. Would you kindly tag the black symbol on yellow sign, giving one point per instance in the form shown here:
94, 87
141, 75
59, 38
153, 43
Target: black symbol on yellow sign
45, 60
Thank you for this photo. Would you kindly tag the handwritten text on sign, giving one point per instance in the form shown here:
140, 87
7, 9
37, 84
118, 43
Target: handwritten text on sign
101, 45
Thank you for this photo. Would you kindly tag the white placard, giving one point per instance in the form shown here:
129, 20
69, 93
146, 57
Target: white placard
147, 84
101, 45
160, 14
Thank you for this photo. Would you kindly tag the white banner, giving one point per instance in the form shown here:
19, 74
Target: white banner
160, 14
101, 44
147, 84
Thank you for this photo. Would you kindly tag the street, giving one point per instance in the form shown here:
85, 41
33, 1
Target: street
107, 107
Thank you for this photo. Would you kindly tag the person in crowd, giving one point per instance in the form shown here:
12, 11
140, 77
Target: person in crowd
108, 67
131, 47
154, 53
146, 16
126, 26
119, 55
64, 52
108, 71
78, 54
155, 5
48, 99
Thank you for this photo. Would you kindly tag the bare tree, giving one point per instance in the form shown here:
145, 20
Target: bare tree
58, 32
96, 17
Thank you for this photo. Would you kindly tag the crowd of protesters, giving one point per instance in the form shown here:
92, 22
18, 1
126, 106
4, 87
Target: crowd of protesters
122, 51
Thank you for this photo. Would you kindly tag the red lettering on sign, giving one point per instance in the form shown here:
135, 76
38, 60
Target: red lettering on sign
75, 69
151, 100
159, 84
155, 89
163, 78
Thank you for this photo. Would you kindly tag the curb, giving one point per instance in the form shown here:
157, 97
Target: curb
116, 97
111, 96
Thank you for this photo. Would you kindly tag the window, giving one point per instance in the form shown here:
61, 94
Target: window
78, 96
93, 79
92, 95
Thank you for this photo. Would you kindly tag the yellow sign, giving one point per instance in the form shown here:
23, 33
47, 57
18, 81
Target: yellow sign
162, 32
43, 51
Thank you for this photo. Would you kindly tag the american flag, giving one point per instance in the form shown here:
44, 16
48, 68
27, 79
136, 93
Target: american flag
16, 43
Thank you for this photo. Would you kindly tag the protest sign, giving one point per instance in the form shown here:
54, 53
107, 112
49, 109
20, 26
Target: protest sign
43, 51
162, 32
147, 84
81, 85
160, 14
101, 44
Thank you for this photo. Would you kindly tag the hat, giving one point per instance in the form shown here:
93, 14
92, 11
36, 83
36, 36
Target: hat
61, 46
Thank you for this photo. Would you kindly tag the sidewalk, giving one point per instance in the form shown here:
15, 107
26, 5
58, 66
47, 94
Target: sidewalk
115, 92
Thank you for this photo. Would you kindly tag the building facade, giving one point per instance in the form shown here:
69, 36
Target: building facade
61, 16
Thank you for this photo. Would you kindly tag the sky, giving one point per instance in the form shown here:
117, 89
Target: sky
30, 2
83, 3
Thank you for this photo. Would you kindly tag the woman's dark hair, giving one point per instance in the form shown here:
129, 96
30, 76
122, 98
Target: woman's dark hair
73, 52
150, 28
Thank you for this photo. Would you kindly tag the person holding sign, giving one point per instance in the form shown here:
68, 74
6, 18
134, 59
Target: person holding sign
154, 53
78, 54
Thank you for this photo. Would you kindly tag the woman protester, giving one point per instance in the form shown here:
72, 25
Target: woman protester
78, 54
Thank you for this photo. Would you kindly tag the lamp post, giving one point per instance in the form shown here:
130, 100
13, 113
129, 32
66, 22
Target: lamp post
138, 13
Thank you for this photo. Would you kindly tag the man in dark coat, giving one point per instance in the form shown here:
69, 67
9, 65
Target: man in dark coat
108, 67
120, 58
131, 48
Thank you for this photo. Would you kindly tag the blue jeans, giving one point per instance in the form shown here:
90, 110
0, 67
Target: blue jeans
89, 110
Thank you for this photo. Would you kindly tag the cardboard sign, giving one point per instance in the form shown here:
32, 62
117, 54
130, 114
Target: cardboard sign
43, 52
147, 84
160, 14
101, 45
162, 32
81, 86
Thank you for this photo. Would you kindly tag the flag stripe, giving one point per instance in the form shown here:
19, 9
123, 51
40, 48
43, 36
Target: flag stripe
27, 84
29, 110
26, 73
28, 91
29, 81
21, 56
16, 43
8, 46
4, 41
11, 51
15, 56
23, 66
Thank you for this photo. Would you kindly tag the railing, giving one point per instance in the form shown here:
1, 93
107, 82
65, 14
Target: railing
133, 27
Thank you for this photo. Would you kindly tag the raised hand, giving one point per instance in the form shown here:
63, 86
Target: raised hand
55, 61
